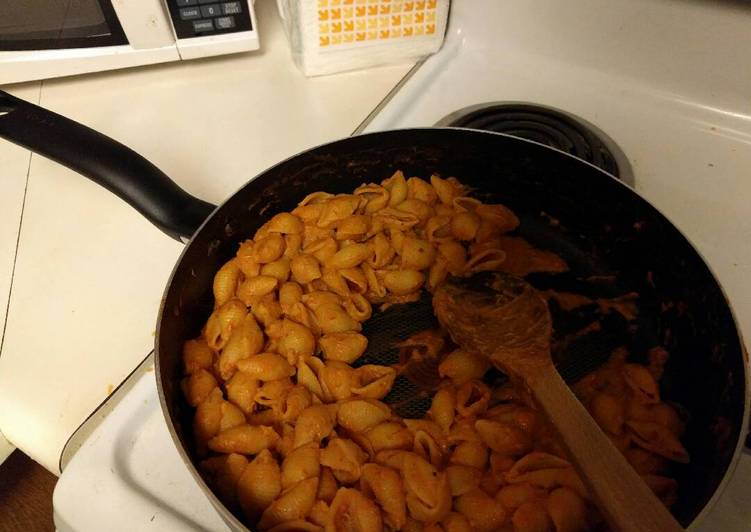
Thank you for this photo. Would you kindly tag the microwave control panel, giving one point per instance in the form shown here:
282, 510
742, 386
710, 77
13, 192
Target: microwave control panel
199, 18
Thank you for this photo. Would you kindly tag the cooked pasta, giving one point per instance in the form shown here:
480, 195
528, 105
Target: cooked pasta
294, 433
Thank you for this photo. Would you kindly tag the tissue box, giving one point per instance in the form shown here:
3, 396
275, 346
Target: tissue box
328, 36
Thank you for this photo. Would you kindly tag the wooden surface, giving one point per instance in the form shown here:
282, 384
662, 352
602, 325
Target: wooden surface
25, 495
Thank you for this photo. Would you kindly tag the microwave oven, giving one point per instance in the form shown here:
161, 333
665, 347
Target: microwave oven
49, 38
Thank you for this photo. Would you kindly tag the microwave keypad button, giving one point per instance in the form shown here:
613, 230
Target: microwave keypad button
225, 23
231, 8
211, 11
189, 13
206, 1
203, 25
185, 3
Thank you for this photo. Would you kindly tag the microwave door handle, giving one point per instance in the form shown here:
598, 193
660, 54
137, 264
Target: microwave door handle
106, 162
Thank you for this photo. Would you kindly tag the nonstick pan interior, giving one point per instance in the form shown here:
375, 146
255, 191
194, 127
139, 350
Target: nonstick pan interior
613, 241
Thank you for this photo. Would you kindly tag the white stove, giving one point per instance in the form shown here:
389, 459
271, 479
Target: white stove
666, 82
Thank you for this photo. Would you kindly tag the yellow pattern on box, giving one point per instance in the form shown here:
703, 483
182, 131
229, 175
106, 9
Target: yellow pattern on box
358, 21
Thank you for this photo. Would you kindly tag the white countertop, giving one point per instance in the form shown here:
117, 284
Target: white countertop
89, 270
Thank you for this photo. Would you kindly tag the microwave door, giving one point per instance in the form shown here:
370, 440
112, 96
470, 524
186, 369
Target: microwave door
58, 24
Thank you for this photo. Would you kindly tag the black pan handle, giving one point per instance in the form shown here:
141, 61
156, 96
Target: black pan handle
106, 162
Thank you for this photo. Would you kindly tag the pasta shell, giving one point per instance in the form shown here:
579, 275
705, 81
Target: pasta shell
373, 381
319, 514
247, 264
303, 462
196, 356
358, 307
466, 204
269, 248
305, 268
241, 390
456, 522
271, 393
316, 198
334, 319
512, 496
442, 408
337, 209
267, 310
345, 459
198, 386
463, 479
279, 269
384, 485
417, 254
472, 398
343, 346
464, 225
290, 293
567, 510
418, 208
224, 472
355, 227
429, 440
327, 486
225, 282
244, 439
222, 322
486, 260
438, 229
658, 439
552, 478
315, 423
531, 517
292, 245
359, 415
296, 341
253, 288
403, 282
484, 513
396, 218
307, 375
296, 400
428, 492
376, 289
463, 366
351, 510
389, 435
285, 223
446, 189
266, 367
350, 256
499, 216
376, 196
642, 384
337, 380
382, 251
535, 461
455, 256
421, 190
259, 484
437, 274
293, 504
322, 249
207, 420
470, 453
246, 340
397, 187
503, 438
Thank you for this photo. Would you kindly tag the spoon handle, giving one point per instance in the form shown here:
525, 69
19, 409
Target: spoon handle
624, 499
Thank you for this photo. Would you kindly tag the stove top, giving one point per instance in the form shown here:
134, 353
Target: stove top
617, 85
541, 124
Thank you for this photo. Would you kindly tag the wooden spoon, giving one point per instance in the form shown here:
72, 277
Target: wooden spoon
504, 318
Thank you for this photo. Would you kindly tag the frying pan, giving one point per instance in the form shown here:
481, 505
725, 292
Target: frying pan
613, 240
